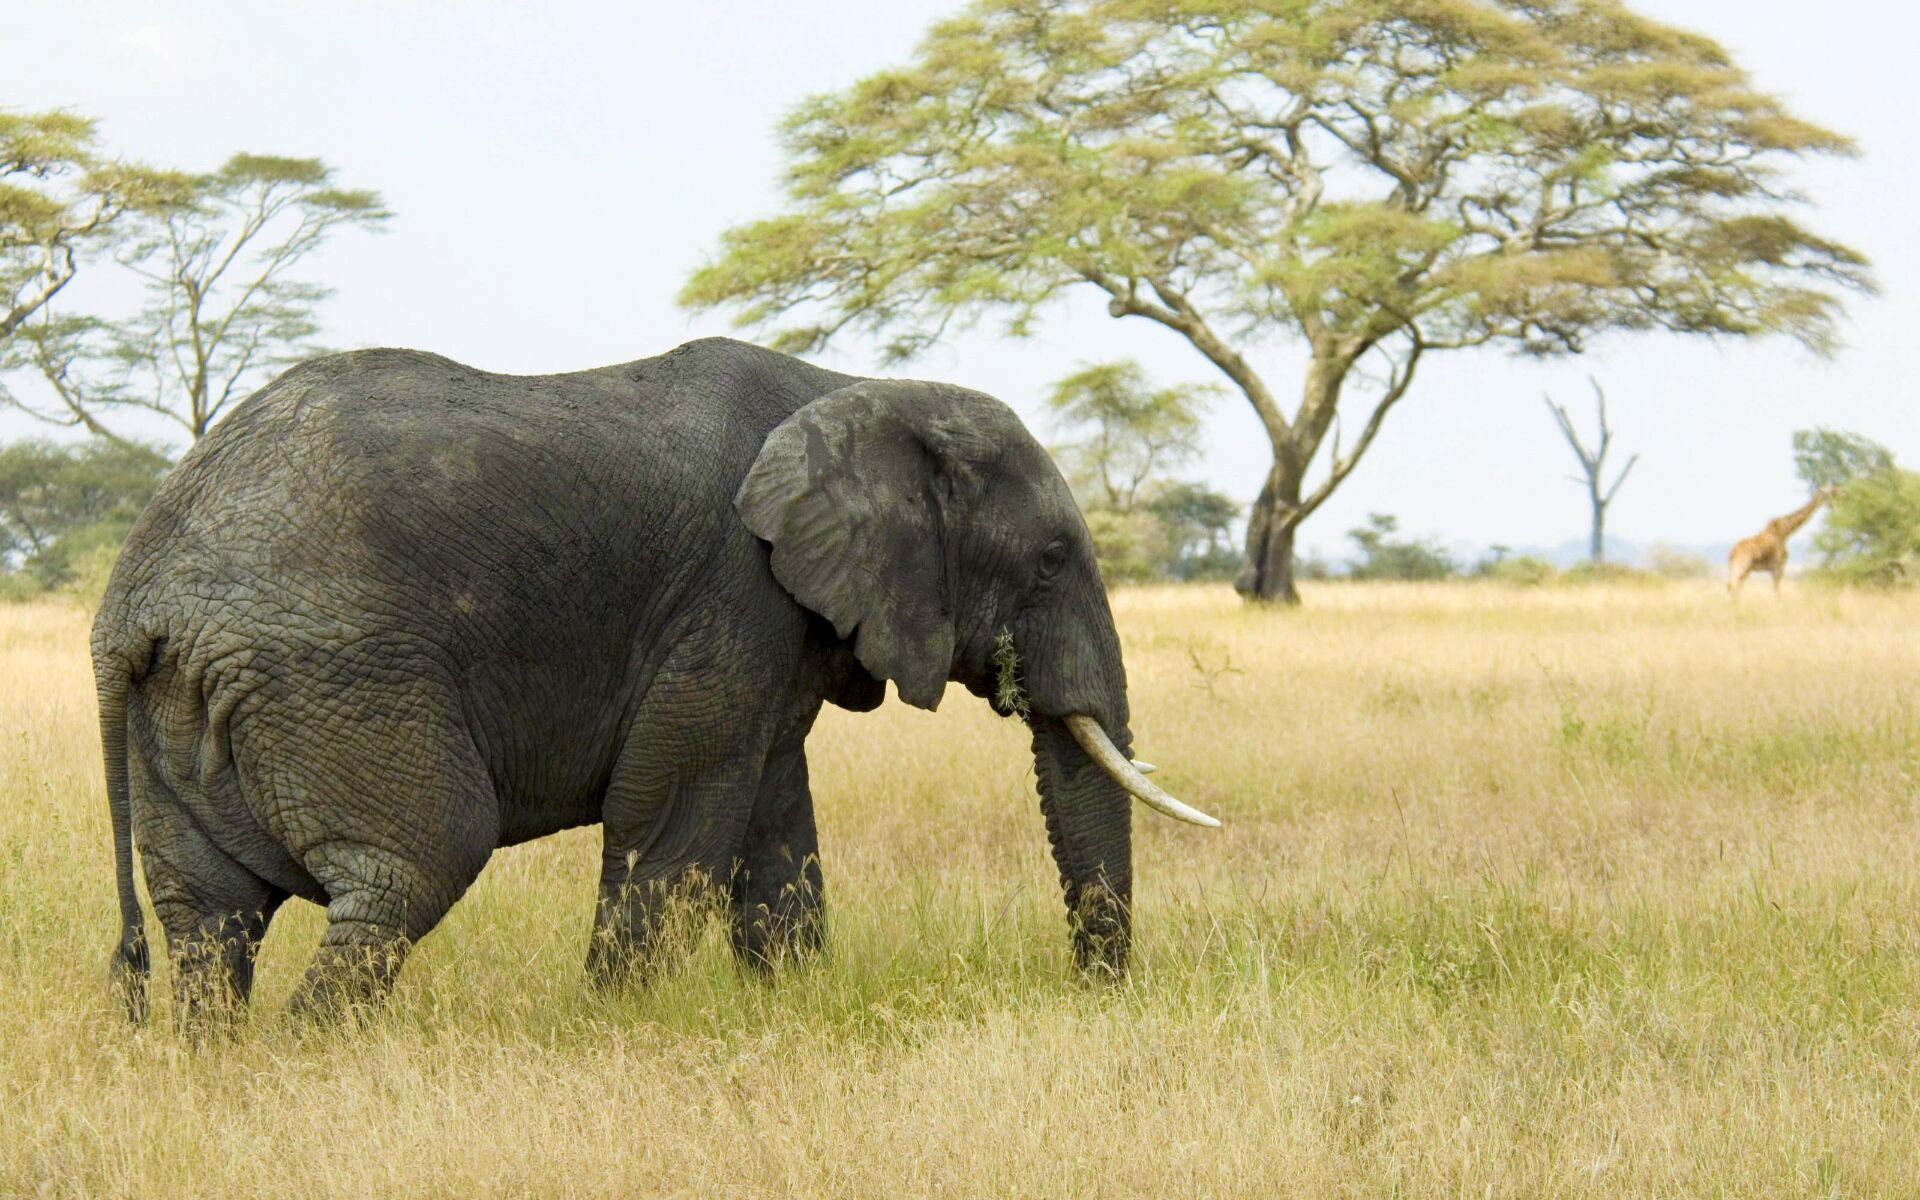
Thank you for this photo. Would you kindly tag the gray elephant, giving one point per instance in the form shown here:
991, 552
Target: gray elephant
396, 612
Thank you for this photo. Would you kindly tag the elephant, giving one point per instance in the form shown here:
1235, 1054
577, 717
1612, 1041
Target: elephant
395, 612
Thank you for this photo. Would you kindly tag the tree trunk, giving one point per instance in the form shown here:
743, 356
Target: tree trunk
1267, 575
1597, 550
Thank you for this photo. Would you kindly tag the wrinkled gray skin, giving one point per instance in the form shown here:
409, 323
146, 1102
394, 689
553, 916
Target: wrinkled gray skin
396, 612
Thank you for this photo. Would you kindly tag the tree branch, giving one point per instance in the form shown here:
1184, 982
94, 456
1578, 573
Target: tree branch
1399, 379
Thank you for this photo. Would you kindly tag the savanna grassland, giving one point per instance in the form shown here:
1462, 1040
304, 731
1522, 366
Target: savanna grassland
1563, 892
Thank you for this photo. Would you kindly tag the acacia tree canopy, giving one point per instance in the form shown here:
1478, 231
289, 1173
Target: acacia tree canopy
223, 307
1132, 431
1375, 179
60, 197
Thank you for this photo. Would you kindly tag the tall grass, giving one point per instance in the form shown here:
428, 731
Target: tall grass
1573, 892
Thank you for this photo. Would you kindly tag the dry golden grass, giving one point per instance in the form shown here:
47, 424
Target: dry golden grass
1607, 892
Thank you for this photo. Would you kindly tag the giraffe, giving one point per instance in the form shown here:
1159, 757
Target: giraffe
1767, 550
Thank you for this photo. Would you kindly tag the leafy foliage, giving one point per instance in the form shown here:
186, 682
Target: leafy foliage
1132, 428
1127, 435
1197, 523
1381, 181
223, 310
1831, 458
61, 199
1516, 570
1872, 531
62, 505
1383, 556
1670, 563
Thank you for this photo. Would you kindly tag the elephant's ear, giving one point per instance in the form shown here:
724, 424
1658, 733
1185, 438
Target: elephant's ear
855, 493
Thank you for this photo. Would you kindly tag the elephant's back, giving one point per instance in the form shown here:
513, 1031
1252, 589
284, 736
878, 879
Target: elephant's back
440, 490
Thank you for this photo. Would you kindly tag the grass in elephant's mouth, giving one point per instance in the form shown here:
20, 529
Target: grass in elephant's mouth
1603, 893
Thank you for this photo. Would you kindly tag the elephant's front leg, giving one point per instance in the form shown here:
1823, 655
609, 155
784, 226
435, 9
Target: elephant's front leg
670, 841
678, 806
776, 911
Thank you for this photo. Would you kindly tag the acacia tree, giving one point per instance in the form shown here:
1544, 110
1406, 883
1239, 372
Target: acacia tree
1830, 458
223, 310
1129, 434
1133, 430
1593, 467
59, 198
1381, 181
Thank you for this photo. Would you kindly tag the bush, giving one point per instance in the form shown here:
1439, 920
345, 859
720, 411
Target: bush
1130, 547
65, 508
1525, 570
1385, 557
1196, 526
1606, 572
1666, 562
86, 562
1313, 567
1872, 533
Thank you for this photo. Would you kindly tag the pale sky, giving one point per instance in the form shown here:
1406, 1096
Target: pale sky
558, 169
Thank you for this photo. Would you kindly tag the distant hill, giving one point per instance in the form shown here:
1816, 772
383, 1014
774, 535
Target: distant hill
1632, 554
1573, 551
1619, 550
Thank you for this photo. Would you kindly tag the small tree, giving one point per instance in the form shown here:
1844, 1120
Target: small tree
1872, 531
1132, 430
223, 310
1129, 434
1128, 547
61, 198
1383, 556
1382, 181
58, 501
1593, 467
1830, 458
1198, 523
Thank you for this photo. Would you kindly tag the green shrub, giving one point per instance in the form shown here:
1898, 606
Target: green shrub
1606, 572
1666, 562
1383, 556
1130, 547
65, 508
1872, 532
1524, 570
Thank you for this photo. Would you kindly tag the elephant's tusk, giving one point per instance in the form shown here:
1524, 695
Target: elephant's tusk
1145, 768
1100, 748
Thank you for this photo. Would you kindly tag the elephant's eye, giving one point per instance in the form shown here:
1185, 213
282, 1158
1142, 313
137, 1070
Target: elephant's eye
1052, 559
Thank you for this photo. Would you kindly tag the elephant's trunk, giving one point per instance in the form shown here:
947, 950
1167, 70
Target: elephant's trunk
1089, 825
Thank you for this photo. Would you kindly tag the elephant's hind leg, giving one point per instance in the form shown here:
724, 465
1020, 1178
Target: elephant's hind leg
214, 911
390, 808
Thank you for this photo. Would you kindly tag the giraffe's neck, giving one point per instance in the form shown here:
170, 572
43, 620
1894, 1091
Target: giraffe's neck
1786, 526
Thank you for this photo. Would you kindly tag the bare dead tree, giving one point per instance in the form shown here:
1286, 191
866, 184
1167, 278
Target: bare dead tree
1593, 466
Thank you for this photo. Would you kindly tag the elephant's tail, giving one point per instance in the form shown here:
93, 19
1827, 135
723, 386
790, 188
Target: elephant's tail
130, 966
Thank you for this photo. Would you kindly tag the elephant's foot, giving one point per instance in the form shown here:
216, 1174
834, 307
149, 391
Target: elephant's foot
352, 973
776, 925
213, 978
642, 924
